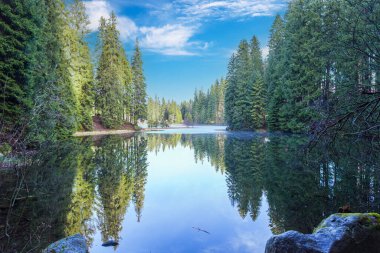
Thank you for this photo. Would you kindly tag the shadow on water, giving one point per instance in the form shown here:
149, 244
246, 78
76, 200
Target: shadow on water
86, 185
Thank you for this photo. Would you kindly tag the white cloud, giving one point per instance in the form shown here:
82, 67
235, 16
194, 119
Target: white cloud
99, 8
95, 10
184, 18
169, 39
227, 9
128, 29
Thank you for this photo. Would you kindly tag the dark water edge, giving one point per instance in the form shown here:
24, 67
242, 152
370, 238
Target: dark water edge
69, 185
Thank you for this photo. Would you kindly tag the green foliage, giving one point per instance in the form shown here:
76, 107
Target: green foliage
273, 74
206, 108
110, 73
258, 108
5, 149
162, 114
18, 25
48, 89
139, 87
320, 74
47, 82
53, 115
81, 70
245, 91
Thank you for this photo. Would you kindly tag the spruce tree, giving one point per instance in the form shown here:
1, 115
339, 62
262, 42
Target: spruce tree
110, 73
242, 114
80, 62
139, 86
258, 107
230, 94
259, 92
54, 114
20, 31
273, 73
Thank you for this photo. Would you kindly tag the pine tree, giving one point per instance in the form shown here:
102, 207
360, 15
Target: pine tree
80, 63
127, 86
257, 59
139, 87
230, 94
259, 92
273, 73
302, 76
53, 115
110, 73
20, 27
258, 108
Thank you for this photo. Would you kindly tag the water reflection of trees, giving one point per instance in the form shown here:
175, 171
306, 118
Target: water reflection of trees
82, 185
121, 166
66, 185
34, 201
302, 186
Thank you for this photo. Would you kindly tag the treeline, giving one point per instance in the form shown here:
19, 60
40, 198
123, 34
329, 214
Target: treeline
206, 107
49, 86
162, 113
322, 72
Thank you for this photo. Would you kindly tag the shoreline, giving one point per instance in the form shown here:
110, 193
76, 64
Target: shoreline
121, 131
103, 132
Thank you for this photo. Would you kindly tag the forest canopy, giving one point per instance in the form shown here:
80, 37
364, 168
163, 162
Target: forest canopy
321, 75
50, 86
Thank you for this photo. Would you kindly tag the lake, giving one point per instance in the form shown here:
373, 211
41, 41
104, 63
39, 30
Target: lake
199, 189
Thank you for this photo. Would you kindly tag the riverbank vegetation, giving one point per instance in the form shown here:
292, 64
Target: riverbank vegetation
50, 86
321, 75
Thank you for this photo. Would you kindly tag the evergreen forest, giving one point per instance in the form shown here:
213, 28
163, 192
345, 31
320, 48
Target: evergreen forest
52, 85
321, 75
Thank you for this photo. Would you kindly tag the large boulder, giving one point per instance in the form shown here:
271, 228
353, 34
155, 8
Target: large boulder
348, 233
72, 244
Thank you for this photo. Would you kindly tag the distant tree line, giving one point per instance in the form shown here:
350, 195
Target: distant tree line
321, 75
49, 86
206, 107
162, 113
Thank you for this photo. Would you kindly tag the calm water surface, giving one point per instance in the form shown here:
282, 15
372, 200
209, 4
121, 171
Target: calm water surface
182, 190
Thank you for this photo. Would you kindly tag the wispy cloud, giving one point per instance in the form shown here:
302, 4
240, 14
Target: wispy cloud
227, 9
174, 35
172, 39
97, 8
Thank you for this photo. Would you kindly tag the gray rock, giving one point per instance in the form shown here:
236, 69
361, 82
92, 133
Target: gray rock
348, 233
72, 244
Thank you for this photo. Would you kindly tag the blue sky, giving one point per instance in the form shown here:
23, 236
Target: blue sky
186, 44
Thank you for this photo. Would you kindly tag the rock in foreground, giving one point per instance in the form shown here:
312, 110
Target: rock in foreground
72, 244
348, 233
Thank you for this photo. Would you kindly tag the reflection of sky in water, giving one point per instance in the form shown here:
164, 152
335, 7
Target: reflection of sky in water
181, 194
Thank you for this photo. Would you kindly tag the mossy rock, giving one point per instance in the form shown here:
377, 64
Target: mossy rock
348, 233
